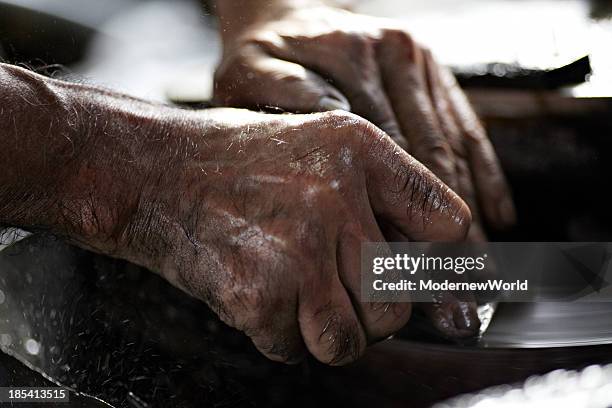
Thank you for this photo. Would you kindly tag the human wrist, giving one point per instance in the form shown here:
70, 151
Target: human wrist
77, 159
40, 143
134, 152
238, 16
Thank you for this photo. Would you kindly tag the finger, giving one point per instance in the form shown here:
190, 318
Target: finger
448, 123
405, 193
369, 101
490, 184
356, 74
452, 317
269, 319
465, 185
403, 76
329, 325
444, 118
256, 80
378, 318
278, 337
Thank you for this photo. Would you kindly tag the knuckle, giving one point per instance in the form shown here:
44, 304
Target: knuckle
326, 208
357, 49
347, 127
371, 139
356, 131
435, 153
354, 42
311, 234
362, 46
246, 307
402, 41
436, 147
318, 195
399, 37
339, 118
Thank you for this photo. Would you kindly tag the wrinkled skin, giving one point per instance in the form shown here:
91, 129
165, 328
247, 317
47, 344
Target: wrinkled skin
311, 58
319, 58
264, 219
261, 216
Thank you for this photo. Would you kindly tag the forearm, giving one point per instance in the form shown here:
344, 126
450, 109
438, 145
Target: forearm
38, 143
75, 158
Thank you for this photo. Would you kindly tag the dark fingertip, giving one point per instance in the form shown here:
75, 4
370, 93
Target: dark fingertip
456, 319
465, 317
292, 359
445, 324
327, 103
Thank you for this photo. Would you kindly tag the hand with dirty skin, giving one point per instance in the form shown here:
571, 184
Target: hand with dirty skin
309, 56
306, 57
261, 216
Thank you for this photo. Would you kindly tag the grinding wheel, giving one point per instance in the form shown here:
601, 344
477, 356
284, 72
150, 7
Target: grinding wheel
117, 332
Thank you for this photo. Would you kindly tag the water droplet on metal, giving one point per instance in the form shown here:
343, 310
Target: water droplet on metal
32, 347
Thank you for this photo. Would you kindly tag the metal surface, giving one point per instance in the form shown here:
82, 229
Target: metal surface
10, 236
119, 333
15, 372
546, 325
485, 315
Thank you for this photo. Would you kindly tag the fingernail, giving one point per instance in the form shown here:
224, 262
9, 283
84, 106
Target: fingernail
507, 213
463, 320
445, 324
466, 317
327, 103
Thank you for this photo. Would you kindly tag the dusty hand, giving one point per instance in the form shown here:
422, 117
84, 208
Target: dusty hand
321, 58
263, 216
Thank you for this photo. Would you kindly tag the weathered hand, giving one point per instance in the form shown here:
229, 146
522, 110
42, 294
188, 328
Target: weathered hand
263, 216
320, 58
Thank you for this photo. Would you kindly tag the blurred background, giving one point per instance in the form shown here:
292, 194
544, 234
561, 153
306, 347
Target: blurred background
167, 49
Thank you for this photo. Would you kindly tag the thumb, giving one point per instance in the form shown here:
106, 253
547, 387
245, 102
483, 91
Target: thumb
268, 83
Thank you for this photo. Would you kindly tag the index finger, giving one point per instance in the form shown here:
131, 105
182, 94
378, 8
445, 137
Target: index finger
405, 193
490, 183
